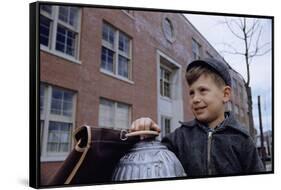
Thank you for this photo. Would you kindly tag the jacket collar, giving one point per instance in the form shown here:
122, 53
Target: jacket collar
229, 122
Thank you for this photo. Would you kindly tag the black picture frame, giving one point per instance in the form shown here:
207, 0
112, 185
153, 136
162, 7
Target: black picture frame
35, 64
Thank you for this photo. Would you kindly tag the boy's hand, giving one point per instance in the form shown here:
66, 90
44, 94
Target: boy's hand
144, 124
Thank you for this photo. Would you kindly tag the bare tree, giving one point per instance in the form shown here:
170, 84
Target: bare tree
248, 31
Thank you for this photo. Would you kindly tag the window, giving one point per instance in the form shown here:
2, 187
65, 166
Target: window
168, 30
196, 49
165, 126
59, 29
115, 52
114, 114
56, 122
165, 82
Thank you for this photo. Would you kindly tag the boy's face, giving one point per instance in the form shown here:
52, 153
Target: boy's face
207, 100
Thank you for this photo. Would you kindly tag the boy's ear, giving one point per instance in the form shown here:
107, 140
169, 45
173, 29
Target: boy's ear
226, 94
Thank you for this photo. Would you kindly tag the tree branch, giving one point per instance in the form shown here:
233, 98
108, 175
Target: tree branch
233, 50
232, 31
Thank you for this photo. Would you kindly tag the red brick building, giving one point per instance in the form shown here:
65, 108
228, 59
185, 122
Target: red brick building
108, 67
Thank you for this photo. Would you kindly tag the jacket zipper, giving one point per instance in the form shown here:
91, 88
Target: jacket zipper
210, 135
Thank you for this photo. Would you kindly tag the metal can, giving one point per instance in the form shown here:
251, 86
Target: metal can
148, 159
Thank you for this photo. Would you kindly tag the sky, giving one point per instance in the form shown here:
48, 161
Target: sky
218, 34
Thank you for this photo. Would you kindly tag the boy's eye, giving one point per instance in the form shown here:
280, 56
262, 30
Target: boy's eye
191, 93
203, 89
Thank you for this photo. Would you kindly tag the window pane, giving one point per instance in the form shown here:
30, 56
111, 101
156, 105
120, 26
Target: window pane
61, 38
123, 64
67, 108
113, 114
166, 89
56, 102
165, 82
57, 93
70, 43
63, 13
122, 116
53, 132
73, 17
45, 25
59, 137
108, 33
106, 113
167, 76
46, 8
62, 102
167, 126
69, 15
66, 41
107, 59
124, 43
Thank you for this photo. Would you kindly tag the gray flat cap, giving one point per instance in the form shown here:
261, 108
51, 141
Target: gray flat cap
217, 66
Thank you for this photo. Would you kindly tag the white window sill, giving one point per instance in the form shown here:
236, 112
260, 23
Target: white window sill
116, 76
59, 54
53, 158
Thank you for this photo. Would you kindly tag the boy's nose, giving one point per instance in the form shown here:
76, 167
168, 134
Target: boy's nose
196, 99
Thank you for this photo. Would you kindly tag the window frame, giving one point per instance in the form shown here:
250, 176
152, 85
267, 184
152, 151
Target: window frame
55, 22
116, 53
46, 116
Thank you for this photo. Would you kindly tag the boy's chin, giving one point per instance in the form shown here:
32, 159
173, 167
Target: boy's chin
202, 119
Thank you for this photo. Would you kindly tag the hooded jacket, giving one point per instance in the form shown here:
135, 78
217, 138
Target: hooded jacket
226, 150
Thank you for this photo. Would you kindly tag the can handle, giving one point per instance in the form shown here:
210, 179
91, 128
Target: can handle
146, 132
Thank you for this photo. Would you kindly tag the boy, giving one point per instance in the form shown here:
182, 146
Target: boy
214, 143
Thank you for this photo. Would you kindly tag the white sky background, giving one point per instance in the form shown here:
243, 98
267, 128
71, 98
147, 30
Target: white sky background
217, 33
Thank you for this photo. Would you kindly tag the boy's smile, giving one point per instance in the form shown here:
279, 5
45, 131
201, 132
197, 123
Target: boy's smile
207, 100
